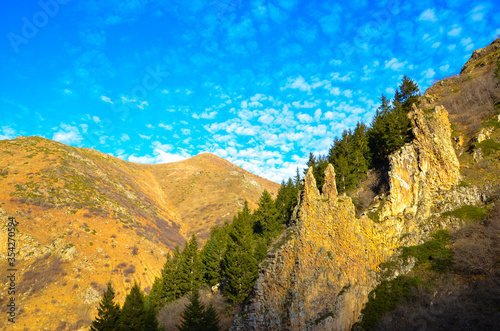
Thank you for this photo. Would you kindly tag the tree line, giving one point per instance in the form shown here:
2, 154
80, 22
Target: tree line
364, 148
227, 261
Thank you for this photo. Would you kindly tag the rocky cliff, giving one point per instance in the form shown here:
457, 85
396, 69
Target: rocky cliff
320, 276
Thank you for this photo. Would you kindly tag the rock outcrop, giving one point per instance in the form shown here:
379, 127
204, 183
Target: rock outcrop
320, 277
425, 166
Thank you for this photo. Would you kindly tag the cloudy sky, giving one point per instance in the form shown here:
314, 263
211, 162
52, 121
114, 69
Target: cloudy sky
259, 83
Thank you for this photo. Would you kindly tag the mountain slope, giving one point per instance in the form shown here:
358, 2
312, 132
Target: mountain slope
86, 218
207, 190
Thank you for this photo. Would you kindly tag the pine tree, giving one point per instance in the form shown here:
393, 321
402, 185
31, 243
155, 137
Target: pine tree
193, 316
266, 216
286, 200
191, 267
239, 264
211, 320
133, 312
166, 288
108, 312
212, 254
150, 317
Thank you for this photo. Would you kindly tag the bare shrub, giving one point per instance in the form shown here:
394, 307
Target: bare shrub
43, 271
477, 247
474, 102
135, 250
449, 308
129, 270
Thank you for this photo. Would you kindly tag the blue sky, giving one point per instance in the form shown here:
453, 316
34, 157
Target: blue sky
259, 83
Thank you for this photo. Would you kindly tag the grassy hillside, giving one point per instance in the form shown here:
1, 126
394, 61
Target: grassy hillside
86, 218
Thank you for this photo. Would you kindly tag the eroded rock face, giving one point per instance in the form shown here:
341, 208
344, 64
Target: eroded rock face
426, 165
320, 278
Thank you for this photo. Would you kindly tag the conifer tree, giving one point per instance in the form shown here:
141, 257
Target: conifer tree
239, 264
212, 254
133, 312
191, 267
286, 200
266, 216
211, 320
150, 316
167, 288
108, 312
193, 316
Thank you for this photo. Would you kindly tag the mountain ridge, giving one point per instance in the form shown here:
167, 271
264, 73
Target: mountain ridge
86, 217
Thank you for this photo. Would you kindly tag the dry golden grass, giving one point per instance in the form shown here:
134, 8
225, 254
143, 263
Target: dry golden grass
86, 218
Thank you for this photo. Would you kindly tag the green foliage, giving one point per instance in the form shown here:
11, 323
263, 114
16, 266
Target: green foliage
132, 316
193, 314
266, 218
433, 251
463, 184
196, 317
497, 70
212, 254
181, 274
240, 265
108, 312
386, 297
191, 267
150, 317
286, 199
211, 320
350, 157
467, 212
488, 146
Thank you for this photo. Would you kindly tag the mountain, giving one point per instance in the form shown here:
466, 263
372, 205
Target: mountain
86, 218
326, 267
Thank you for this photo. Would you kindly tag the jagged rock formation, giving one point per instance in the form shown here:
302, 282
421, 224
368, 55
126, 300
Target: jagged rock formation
426, 165
320, 277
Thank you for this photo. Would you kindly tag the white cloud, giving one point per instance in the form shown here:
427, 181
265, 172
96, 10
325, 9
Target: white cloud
347, 93
186, 132
436, 45
142, 104
67, 135
317, 115
7, 133
266, 119
304, 118
444, 68
124, 137
145, 137
106, 99
96, 119
455, 31
428, 15
306, 104
429, 73
165, 126
394, 64
298, 83
477, 13
161, 154
67, 91
336, 76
